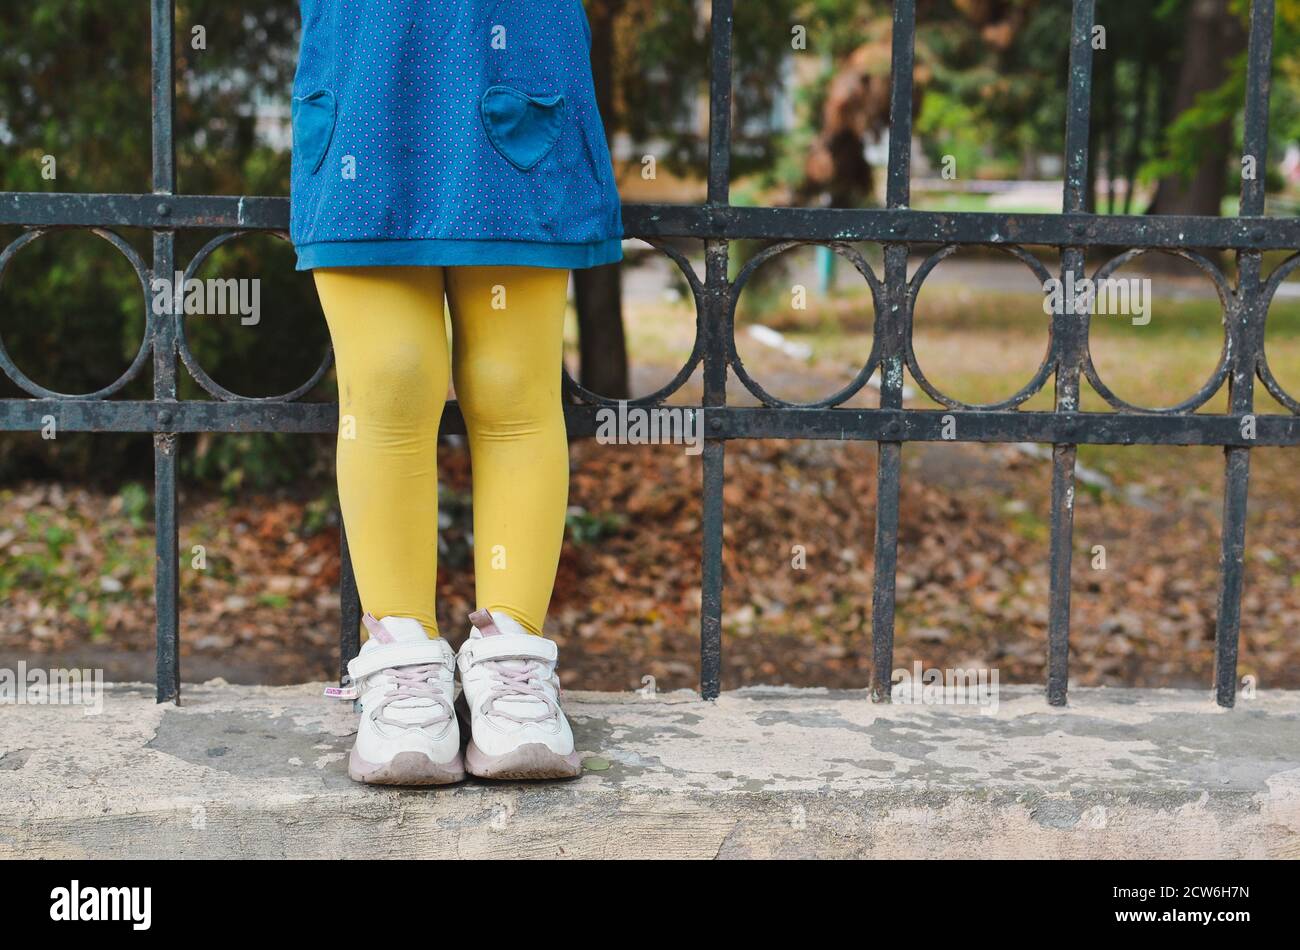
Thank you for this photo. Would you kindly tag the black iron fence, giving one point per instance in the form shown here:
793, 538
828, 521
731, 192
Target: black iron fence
1067, 362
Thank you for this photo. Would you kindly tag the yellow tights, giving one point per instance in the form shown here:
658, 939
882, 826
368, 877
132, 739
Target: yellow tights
390, 346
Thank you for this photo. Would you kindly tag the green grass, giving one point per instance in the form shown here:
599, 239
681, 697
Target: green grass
965, 201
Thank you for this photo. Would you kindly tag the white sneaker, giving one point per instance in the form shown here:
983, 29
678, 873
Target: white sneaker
508, 679
405, 685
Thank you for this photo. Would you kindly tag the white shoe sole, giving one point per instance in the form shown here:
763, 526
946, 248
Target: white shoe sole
406, 768
530, 761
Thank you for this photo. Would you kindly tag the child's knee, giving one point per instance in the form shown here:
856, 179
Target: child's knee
395, 384
505, 395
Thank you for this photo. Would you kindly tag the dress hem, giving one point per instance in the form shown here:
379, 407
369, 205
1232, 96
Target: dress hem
440, 252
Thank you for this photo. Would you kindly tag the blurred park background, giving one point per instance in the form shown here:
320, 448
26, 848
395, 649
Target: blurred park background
811, 96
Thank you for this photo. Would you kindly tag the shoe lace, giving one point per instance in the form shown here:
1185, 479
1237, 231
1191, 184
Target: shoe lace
516, 682
415, 682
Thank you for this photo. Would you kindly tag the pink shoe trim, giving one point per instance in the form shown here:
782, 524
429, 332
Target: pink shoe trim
485, 624
377, 629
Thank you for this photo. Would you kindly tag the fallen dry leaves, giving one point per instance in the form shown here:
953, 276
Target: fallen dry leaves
76, 570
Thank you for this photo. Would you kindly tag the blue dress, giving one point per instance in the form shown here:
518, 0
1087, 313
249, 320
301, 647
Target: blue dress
448, 132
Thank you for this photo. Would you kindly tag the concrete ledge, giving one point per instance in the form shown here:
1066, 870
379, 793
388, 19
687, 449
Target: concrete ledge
258, 772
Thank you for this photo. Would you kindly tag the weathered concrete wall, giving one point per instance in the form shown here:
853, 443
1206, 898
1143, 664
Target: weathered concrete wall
259, 772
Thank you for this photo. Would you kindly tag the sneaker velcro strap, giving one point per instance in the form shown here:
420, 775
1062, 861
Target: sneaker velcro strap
509, 646
398, 654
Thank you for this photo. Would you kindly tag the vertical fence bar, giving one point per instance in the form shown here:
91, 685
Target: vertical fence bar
349, 607
1070, 331
1246, 340
716, 346
163, 335
1232, 556
720, 19
893, 326
713, 479
898, 187
166, 570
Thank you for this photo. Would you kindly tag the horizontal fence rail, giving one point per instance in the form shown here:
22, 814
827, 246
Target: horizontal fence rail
1067, 362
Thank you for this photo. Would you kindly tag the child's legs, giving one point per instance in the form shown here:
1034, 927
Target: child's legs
507, 335
390, 350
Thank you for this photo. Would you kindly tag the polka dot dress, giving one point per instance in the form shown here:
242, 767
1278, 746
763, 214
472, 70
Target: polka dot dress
445, 132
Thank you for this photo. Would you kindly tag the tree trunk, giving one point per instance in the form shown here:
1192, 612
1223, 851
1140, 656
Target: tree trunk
1138, 134
1212, 38
597, 291
602, 350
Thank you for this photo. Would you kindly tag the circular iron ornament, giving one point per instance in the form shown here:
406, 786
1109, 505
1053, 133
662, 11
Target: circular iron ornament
1217, 378
1262, 369
197, 372
33, 388
1040, 377
579, 392
849, 253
